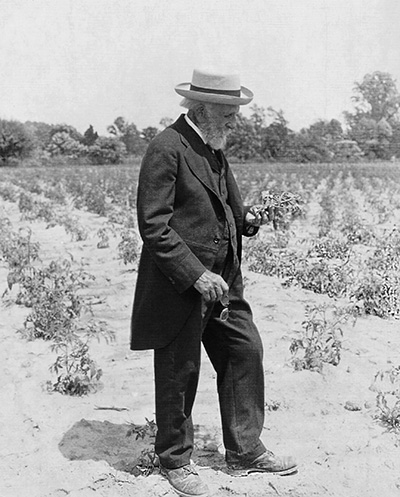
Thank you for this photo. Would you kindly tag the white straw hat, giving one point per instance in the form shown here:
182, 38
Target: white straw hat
218, 88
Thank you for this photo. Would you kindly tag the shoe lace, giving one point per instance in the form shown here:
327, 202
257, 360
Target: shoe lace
190, 469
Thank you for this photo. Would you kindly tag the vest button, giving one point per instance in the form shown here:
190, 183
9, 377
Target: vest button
216, 240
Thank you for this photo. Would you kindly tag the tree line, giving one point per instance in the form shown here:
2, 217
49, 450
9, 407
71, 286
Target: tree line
371, 131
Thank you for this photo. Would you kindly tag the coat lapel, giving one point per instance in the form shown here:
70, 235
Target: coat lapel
196, 154
196, 157
201, 168
234, 196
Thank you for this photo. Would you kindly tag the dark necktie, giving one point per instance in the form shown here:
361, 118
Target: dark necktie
216, 153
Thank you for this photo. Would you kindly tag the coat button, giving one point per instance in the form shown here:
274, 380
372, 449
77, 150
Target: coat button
216, 240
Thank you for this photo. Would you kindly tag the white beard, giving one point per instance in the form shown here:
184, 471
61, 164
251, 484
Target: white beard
214, 136
217, 142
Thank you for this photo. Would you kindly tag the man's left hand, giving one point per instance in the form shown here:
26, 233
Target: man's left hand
259, 215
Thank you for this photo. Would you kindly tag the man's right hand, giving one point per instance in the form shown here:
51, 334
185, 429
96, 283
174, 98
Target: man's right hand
211, 286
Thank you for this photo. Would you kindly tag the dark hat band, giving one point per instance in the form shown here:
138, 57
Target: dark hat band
231, 93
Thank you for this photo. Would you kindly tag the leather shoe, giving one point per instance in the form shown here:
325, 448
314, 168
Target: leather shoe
266, 463
185, 481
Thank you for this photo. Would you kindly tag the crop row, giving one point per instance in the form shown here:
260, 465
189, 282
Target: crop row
348, 220
344, 243
52, 294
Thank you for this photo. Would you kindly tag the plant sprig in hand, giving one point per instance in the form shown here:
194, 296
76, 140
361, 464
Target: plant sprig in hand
277, 207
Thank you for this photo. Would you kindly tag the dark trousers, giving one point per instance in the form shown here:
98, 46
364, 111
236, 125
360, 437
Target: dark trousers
235, 350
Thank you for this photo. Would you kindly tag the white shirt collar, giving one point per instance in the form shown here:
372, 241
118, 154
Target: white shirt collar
192, 125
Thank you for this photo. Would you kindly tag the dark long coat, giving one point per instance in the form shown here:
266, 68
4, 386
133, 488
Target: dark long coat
181, 220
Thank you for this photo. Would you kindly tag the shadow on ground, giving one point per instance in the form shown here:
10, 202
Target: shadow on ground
130, 447
206, 451
125, 447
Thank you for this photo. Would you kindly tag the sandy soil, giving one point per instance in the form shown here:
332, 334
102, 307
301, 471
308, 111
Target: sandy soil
54, 446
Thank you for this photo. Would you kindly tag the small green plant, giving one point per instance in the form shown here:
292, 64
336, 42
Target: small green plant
378, 295
318, 274
386, 256
321, 338
328, 216
9, 192
148, 459
281, 207
17, 249
148, 462
378, 290
272, 405
72, 226
25, 202
93, 198
33, 208
77, 373
321, 276
387, 384
329, 247
128, 247
356, 231
57, 193
52, 292
271, 259
141, 431
104, 241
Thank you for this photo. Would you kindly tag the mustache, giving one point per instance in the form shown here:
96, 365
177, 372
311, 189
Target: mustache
215, 135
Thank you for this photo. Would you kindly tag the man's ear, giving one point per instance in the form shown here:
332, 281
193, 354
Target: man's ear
202, 110
199, 114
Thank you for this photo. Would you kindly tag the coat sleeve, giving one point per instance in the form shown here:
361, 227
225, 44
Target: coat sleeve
155, 207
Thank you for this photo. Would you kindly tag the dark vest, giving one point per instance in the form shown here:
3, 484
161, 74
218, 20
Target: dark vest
227, 262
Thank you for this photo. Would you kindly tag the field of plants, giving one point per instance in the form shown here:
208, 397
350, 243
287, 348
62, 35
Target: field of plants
324, 283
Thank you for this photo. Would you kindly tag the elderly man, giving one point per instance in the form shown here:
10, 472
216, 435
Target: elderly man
189, 288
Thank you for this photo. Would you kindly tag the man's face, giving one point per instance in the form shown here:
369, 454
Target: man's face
219, 121
223, 116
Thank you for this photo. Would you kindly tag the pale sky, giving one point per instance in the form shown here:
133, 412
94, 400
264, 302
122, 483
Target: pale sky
85, 62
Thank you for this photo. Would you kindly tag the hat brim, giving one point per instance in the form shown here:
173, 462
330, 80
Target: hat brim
246, 96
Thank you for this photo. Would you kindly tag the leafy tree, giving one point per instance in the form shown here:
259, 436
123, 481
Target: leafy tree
276, 137
347, 150
69, 130
90, 136
377, 96
165, 122
129, 135
119, 127
41, 133
330, 131
377, 104
307, 147
149, 133
374, 138
394, 147
244, 141
16, 141
318, 142
62, 143
257, 117
107, 150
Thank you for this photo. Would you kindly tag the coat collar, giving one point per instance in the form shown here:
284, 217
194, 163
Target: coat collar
197, 154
